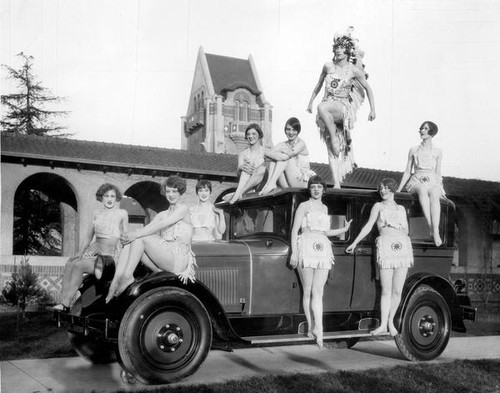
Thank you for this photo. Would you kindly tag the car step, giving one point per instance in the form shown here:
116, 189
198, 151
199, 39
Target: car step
302, 337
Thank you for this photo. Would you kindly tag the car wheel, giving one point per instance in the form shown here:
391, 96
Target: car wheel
164, 336
425, 329
97, 352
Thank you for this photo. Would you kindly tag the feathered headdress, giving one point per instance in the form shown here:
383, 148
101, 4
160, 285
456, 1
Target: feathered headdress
346, 40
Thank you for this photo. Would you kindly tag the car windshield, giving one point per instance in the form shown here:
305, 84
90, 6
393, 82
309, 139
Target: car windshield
269, 217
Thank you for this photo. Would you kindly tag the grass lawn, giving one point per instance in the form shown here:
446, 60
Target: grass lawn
38, 337
460, 376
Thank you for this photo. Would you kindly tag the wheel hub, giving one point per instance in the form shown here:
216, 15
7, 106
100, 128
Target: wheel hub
426, 326
169, 338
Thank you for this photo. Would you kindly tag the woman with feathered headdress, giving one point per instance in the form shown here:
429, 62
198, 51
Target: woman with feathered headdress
345, 86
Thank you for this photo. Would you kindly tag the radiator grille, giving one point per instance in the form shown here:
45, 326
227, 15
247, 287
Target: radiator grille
222, 282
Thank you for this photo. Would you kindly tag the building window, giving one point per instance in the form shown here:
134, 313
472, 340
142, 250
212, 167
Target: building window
244, 111
236, 110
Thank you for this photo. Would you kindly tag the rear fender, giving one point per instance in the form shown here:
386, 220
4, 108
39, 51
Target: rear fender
221, 327
439, 284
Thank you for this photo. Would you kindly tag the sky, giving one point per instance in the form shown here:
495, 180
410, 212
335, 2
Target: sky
126, 68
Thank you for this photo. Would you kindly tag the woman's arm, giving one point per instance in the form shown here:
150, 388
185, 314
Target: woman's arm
297, 222
124, 220
360, 76
278, 152
317, 88
220, 221
339, 231
158, 223
405, 222
366, 229
407, 172
89, 235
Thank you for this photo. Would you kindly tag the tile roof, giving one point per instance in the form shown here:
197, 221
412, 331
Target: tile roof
146, 158
229, 73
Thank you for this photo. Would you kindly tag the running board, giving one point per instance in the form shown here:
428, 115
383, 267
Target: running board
283, 338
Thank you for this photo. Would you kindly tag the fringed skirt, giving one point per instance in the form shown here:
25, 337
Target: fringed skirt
425, 178
394, 252
315, 251
93, 250
345, 162
184, 258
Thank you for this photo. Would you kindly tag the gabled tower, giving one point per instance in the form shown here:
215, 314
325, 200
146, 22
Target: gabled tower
226, 96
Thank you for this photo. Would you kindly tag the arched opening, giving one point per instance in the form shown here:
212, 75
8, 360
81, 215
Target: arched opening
45, 216
147, 195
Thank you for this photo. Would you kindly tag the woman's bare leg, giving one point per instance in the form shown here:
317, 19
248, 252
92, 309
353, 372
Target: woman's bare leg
332, 114
254, 180
275, 171
244, 177
398, 280
75, 278
306, 278
425, 204
435, 212
318, 285
120, 264
385, 300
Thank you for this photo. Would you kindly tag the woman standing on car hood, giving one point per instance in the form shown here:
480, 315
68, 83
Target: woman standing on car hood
312, 254
394, 251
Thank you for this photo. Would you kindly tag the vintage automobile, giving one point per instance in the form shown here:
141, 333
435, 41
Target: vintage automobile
246, 294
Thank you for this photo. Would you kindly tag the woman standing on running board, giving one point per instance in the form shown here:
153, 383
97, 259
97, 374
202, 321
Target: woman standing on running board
394, 251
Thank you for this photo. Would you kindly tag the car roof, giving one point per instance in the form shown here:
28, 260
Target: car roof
348, 192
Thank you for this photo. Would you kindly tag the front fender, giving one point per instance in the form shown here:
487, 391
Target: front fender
221, 326
439, 284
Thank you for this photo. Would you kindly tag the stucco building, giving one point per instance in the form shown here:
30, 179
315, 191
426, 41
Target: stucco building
71, 171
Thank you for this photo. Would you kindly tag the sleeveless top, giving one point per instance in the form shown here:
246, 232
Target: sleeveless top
425, 160
181, 231
255, 157
202, 219
394, 218
337, 86
104, 226
316, 220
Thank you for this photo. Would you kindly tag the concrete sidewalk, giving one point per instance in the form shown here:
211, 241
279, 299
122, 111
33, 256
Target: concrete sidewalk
71, 375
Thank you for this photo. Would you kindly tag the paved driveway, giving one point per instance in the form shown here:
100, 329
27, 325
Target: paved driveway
70, 375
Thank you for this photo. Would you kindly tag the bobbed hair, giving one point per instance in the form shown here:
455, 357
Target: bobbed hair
433, 128
316, 179
202, 183
294, 123
256, 127
105, 188
174, 181
390, 183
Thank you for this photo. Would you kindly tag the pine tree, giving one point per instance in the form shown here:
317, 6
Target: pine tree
26, 113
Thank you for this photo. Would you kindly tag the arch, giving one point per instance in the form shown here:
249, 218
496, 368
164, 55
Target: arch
147, 194
45, 216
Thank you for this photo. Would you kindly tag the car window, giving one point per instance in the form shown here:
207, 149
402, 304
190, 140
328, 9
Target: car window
418, 228
338, 213
271, 218
366, 209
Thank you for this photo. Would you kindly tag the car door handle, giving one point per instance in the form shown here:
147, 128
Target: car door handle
362, 251
269, 243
